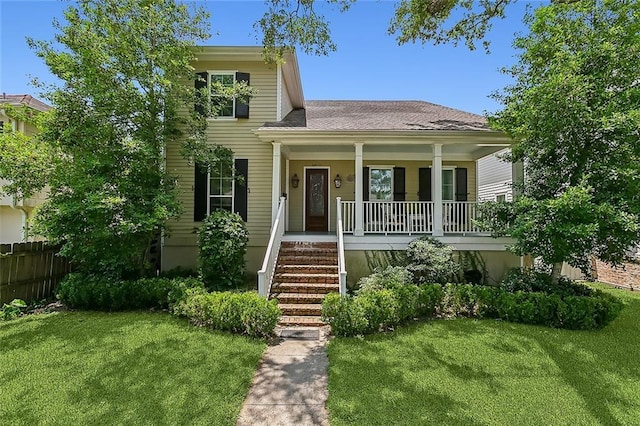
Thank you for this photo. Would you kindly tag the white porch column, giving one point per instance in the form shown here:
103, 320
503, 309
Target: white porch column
437, 190
359, 210
288, 191
275, 181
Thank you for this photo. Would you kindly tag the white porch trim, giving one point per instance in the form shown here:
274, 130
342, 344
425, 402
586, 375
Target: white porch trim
437, 190
400, 242
275, 181
359, 210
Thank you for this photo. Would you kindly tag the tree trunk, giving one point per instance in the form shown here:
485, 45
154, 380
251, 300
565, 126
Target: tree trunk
555, 272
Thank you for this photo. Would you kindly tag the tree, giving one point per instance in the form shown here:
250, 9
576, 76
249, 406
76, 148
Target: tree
126, 68
25, 161
289, 23
574, 114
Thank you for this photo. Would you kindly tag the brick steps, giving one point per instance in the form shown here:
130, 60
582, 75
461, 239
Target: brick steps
306, 272
301, 309
307, 320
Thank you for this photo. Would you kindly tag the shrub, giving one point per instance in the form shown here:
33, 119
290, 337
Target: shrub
241, 313
391, 277
534, 280
78, 290
346, 317
380, 309
430, 299
12, 310
223, 239
431, 261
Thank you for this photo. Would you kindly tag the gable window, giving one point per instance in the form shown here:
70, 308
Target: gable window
221, 185
381, 183
226, 107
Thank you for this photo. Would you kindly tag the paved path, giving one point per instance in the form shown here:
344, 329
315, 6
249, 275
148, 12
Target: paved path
290, 386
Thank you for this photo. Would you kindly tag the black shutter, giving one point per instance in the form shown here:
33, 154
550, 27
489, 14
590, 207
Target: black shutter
200, 196
365, 184
461, 184
424, 184
240, 193
242, 109
399, 193
199, 83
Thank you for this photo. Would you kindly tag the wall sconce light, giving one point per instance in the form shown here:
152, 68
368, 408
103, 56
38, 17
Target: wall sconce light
295, 180
337, 181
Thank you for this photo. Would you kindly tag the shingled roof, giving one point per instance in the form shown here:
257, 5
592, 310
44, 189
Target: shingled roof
379, 115
24, 100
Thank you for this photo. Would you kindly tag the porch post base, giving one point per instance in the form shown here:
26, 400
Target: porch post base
358, 232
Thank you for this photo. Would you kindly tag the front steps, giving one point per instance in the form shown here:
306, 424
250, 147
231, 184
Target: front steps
305, 273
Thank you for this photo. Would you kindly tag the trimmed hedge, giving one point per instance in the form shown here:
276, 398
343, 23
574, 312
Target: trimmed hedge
97, 293
378, 309
242, 313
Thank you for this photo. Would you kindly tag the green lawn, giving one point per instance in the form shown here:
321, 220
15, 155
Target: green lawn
121, 368
489, 373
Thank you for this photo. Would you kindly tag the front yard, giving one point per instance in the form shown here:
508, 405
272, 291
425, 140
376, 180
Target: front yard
121, 368
489, 373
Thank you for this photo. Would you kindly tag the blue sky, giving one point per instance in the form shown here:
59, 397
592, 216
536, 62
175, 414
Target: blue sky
368, 64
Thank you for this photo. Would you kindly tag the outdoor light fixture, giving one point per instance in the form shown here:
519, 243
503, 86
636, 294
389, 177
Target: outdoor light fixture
295, 180
337, 181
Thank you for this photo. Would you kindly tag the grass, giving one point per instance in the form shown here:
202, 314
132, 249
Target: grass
121, 368
489, 373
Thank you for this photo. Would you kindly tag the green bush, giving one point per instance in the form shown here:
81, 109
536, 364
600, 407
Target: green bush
380, 309
373, 309
391, 277
532, 280
223, 239
12, 310
241, 313
346, 317
431, 261
82, 291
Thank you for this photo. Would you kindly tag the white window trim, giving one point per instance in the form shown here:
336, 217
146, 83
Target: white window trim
222, 72
377, 166
233, 191
453, 174
498, 194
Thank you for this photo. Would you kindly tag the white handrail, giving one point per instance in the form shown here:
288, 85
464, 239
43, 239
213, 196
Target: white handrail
341, 263
265, 275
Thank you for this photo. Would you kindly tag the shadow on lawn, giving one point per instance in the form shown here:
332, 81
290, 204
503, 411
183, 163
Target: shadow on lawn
127, 369
382, 379
598, 364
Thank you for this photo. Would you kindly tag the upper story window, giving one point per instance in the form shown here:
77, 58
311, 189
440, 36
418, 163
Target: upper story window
226, 107
221, 186
381, 183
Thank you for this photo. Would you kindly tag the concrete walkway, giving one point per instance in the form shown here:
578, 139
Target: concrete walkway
290, 386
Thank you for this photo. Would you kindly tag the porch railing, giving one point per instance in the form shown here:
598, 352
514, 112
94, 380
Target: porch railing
458, 217
341, 263
265, 274
410, 217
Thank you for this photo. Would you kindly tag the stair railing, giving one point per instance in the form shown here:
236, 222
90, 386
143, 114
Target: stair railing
265, 274
341, 263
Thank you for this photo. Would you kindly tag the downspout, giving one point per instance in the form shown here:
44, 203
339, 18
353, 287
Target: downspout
24, 233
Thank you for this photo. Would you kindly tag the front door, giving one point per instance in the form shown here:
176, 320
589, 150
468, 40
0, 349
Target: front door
316, 200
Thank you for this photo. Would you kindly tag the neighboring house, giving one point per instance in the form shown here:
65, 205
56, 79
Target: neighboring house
394, 170
495, 178
15, 214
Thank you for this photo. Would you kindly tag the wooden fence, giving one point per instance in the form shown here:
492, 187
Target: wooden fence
30, 271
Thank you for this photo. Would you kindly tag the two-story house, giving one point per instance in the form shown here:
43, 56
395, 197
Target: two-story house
382, 172
15, 214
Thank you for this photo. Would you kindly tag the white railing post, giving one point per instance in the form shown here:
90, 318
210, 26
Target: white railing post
265, 274
342, 272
